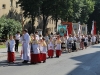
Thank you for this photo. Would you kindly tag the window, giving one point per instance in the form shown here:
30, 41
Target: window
3, 6
11, 3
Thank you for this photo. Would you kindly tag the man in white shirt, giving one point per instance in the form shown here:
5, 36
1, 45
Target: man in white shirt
17, 38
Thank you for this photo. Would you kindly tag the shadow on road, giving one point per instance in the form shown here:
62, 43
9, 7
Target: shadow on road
16, 63
89, 64
95, 46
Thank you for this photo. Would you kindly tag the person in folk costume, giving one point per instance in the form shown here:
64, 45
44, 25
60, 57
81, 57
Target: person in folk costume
74, 43
89, 40
69, 43
82, 42
26, 46
66, 42
86, 42
77, 42
96, 39
43, 50
93, 39
51, 48
58, 46
35, 51
63, 44
11, 49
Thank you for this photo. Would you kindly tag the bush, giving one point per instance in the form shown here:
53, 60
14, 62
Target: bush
9, 26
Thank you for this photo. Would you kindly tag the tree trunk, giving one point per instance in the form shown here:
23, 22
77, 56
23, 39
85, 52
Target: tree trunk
44, 24
33, 28
56, 22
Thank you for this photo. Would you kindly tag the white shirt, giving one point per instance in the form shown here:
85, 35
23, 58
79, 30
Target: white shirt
12, 45
70, 39
86, 39
93, 39
17, 36
46, 38
74, 38
37, 37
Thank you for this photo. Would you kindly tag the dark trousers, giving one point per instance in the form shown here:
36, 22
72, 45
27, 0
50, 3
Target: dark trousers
16, 45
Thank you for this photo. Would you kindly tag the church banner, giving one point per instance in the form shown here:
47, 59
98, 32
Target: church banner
84, 29
69, 27
62, 30
76, 27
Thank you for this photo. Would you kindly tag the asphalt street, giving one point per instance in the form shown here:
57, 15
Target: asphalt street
83, 62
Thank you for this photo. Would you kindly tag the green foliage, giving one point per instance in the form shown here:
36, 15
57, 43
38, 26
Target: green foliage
9, 26
67, 10
95, 16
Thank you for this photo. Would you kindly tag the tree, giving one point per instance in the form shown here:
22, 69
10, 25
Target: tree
87, 9
95, 16
9, 26
30, 9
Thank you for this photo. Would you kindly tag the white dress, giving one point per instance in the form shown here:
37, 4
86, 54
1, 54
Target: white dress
26, 47
12, 45
50, 46
35, 48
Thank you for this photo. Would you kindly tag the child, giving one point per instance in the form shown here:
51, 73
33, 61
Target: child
43, 49
58, 46
11, 49
50, 48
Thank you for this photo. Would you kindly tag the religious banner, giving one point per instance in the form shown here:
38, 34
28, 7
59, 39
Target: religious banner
69, 27
62, 30
84, 29
76, 27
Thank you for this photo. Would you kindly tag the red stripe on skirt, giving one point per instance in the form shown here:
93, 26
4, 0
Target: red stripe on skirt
43, 56
51, 53
11, 57
35, 58
58, 52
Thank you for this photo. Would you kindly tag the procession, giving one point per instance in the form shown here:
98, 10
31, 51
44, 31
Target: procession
37, 48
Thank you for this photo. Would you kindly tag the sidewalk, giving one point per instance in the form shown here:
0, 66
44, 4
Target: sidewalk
3, 51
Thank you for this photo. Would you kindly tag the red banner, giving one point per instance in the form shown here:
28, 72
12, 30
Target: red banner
69, 27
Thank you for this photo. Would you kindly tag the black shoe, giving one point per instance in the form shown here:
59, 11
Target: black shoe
23, 61
44, 61
57, 56
51, 57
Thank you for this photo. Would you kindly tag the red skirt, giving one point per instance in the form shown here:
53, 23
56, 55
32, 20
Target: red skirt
35, 58
50, 53
43, 56
11, 56
58, 52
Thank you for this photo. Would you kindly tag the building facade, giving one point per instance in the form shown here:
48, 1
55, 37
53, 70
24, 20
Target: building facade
11, 9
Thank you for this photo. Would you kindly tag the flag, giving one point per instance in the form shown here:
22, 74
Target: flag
70, 28
73, 32
93, 31
79, 30
94, 28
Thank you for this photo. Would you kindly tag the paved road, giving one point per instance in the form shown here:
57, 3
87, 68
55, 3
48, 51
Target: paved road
83, 62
